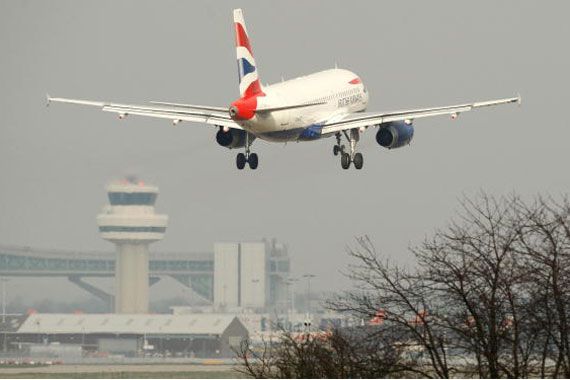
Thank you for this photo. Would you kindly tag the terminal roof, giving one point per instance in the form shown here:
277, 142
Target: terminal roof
158, 324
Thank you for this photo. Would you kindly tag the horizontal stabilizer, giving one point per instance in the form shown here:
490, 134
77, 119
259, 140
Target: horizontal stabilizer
191, 106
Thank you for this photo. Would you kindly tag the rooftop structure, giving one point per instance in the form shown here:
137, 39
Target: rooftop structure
149, 324
191, 269
251, 275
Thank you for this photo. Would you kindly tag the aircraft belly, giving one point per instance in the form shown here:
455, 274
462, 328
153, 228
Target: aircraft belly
285, 135
278, 128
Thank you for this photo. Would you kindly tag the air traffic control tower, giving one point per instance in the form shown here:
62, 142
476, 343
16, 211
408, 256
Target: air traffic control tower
129, 221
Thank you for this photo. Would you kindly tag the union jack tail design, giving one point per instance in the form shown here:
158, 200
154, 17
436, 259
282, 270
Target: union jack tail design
247, 70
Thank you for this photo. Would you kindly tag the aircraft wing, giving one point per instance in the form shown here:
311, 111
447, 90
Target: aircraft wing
367, 119
171, 111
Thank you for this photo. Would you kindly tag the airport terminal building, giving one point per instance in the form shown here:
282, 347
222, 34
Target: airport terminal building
234, 279
233, 276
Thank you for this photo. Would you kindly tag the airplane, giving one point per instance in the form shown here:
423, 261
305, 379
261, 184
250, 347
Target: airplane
324, 104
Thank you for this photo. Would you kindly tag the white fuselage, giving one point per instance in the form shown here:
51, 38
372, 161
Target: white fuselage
341, 92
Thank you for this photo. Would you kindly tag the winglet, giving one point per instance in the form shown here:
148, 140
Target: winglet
519, 99
48, 100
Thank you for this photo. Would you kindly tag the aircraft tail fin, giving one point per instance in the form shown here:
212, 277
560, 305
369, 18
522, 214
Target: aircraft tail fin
249, 84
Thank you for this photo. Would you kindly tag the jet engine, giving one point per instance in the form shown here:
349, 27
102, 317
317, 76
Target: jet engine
395, 134
233, 138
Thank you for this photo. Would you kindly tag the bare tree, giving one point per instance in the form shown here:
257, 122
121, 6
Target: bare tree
492, 287
489, 297
471, 269
544, 248
336, 354
404, 300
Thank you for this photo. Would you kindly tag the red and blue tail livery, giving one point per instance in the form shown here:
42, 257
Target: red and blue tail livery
247, 69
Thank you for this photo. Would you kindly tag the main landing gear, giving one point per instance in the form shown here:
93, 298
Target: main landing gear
346, 158
250, 158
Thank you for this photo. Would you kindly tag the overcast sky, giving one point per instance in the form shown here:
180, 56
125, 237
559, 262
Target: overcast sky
56, 161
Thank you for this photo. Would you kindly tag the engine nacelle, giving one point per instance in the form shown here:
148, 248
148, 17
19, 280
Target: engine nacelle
395, 134
234, 138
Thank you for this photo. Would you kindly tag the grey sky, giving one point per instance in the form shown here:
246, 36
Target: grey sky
55, 162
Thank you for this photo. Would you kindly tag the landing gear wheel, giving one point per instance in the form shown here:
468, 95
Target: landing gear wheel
336, 150
240, 161
345, 160
358, 161
253, 161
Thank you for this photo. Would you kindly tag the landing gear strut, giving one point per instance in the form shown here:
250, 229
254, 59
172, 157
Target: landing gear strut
346, 158
251, 158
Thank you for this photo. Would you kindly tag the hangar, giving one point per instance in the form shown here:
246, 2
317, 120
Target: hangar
190, 335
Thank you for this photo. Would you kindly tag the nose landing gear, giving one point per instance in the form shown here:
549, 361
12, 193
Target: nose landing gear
250, 158
241, 161
253, 161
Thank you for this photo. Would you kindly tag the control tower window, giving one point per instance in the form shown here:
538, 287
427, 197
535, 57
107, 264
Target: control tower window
132, 229
126, 199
